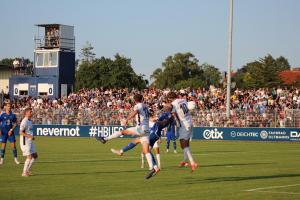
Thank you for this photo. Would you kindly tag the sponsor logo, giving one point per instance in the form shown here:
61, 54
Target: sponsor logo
69, 132
294, 135
104, 131
264, 135
233, 134
213, 134
243, 134
274, 135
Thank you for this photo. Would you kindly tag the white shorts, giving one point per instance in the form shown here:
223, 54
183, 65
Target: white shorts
156, 145
139, 131
144, 139
28, 149
184, 133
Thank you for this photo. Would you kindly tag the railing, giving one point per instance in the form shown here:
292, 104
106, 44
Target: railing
239, 118
54, 42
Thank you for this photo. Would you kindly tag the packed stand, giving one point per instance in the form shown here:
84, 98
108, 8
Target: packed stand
274, 107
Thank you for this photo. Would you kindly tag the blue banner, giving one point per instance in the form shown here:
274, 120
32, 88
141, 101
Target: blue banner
202, 133
255, 134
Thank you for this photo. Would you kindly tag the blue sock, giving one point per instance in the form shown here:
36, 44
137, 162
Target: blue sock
131, 145
174, 144
153, 158
168, 144
15, 152
2, 152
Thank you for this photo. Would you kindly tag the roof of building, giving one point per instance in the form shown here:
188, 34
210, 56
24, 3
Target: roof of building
50, 25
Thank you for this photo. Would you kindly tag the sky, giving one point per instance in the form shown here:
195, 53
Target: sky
147, 31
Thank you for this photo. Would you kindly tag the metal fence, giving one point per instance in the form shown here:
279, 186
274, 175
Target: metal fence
201, 118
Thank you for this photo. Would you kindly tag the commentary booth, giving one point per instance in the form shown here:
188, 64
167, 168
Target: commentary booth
54, 64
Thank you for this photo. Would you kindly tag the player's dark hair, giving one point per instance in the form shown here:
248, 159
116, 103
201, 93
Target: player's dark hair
159, 106
151, 113
27, 110
138, 97
172, 95
6, 102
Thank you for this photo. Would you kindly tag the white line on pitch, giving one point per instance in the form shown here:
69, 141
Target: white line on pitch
279, 192
271, 187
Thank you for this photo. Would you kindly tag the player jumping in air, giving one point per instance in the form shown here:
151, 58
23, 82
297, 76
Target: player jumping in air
155, 132
141, 113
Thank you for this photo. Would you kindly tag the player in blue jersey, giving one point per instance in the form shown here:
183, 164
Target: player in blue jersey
8, 122
171, 135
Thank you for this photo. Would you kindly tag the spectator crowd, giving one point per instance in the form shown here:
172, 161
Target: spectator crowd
274, 107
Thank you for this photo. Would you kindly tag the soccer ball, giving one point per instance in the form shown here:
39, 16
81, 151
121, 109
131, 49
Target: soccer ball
191, 105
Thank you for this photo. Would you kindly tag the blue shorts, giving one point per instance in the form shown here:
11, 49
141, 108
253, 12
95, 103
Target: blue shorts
152, 139
5, 137
171, 136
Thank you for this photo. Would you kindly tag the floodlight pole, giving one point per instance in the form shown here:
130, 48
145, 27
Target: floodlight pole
229, 58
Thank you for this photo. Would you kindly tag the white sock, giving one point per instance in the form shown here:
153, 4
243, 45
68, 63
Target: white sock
142, 158
189, 154
30, 164
26, 164
149, 160
185, 157
158, 160
114, 135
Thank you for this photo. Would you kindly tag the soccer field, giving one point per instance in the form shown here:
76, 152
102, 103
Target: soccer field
81, 168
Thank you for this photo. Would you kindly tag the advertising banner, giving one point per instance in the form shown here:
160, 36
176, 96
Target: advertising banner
255, 134
202, 133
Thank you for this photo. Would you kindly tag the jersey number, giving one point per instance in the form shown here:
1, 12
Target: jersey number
184, 108
146, 111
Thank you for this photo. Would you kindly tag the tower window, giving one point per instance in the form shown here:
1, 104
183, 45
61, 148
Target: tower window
46, 59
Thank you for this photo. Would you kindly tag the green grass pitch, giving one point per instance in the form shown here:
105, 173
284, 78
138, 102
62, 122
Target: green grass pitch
82, 168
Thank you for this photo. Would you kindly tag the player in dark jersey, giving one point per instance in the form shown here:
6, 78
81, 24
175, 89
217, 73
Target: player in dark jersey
171, 135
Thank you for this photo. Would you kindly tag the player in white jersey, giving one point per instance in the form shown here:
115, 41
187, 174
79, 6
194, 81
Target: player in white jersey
141, 113
156, 144
181, 113
26, 142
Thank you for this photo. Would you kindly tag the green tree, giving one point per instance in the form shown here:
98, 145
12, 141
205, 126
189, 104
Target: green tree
183, 70
108, 73
211, 74
9, 61
263, 72
87, 54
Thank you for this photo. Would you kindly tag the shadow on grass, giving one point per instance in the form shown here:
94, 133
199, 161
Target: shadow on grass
235, 164
226, 165
85, 161
89, 173
236, 178
221, 151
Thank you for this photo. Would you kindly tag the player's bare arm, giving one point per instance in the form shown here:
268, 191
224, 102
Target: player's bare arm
131, 116
12, 129
23, 133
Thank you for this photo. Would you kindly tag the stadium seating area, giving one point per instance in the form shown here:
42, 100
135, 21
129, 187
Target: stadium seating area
275, 107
